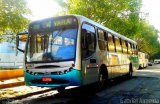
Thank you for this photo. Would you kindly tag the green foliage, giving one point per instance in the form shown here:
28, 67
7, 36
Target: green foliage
156, 56
12, 16
122, 16
148, 39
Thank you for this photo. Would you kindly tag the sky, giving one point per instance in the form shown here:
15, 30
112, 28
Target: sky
152, 7
47, 8
42, 9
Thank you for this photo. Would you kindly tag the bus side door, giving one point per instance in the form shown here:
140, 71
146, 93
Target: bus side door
88, 45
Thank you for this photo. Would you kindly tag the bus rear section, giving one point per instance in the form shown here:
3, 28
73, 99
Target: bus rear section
143, 60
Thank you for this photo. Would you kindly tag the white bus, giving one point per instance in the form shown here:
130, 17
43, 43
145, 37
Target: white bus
143, 60
73, 51
8, 57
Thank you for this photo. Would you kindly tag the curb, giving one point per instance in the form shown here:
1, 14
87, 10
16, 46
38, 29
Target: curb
9, 74
14, 84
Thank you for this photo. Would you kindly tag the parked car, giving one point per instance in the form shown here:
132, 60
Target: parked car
150, 63
157, 61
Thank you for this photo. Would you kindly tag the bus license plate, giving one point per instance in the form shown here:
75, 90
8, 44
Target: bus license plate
46, 79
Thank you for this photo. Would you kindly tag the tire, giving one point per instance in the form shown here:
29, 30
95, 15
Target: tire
141, 66
61, 89
101, 81
103, 76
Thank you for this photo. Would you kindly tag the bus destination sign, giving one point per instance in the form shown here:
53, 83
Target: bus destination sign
51, 24
62, 22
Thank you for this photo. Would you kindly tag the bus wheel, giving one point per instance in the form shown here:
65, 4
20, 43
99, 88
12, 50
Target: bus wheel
101, 80
61, 89
140, 67
103, 76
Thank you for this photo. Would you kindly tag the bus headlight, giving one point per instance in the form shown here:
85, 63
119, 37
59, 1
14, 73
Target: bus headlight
64, 71
29, 66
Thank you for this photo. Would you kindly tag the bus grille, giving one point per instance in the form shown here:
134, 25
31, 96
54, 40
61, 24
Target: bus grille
54, 81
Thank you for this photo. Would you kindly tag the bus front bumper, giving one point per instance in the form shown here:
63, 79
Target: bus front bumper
72, 78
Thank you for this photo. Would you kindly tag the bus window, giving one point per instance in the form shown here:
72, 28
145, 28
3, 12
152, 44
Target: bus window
121, 44
132, 48
126, 43
111, 45
135, 49
124, 46
101, 40
118, 45
106, 39
129, 48
88, 40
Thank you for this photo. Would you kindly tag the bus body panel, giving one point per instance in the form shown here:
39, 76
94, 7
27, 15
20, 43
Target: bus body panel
71, 78
104, 57
90, 71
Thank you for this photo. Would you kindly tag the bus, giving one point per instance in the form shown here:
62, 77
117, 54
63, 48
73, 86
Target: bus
73, 50
143, 60
8, 57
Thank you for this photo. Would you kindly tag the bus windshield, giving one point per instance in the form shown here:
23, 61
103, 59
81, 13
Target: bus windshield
52, 46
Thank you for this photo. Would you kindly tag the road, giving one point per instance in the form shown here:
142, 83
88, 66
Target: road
143, 88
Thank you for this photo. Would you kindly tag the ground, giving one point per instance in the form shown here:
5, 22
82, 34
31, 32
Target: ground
143, 88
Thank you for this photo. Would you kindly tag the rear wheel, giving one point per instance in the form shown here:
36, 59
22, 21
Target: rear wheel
102, 80
61, 89
103, 76
140, 67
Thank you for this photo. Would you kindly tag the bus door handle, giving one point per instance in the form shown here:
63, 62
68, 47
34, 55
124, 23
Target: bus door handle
92, 60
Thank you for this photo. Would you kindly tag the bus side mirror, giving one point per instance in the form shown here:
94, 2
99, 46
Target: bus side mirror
21, 39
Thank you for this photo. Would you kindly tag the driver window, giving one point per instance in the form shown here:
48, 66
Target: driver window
87, 40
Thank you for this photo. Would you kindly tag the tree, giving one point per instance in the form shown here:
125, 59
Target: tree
122, 16
148, 39
12, 16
